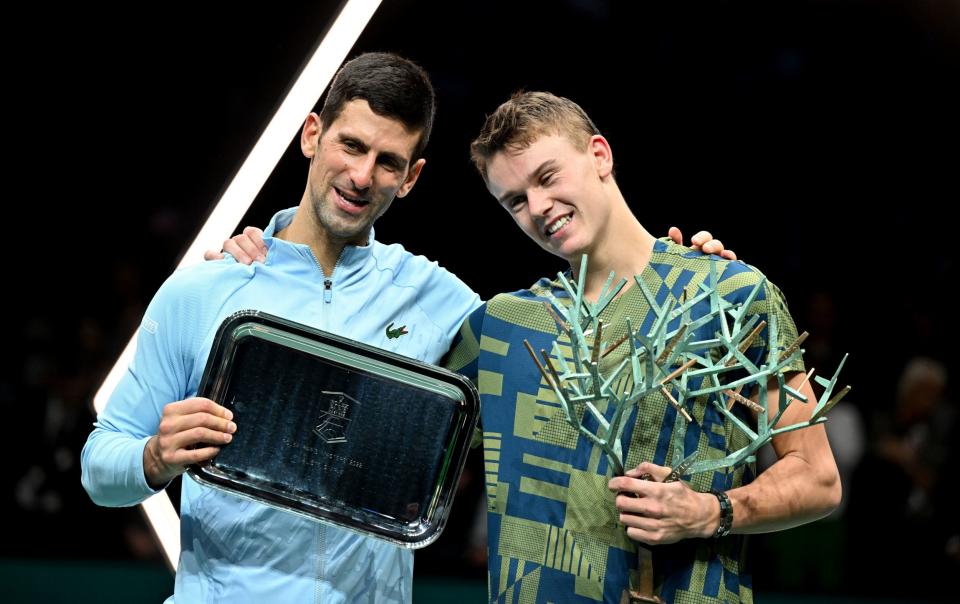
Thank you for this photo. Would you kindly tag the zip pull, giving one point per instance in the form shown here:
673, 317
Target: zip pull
327, 290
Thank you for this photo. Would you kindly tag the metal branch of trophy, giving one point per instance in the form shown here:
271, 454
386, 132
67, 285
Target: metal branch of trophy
666, 359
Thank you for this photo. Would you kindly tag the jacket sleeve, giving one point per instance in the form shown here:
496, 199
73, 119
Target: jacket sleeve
112, 458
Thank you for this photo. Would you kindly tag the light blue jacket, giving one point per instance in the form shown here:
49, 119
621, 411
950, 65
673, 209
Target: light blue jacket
235, 550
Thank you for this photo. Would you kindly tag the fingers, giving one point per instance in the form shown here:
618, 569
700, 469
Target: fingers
705, 242
648, 507
632, 489
179, 458
649, 519
247, 247
702, 237
184, 439
256, 238
237, 247
251, 242
212, 255
650, 536
197, 404
192, 422
676, 235
657, 512
714, 246
643, 520
659, 473
625, 484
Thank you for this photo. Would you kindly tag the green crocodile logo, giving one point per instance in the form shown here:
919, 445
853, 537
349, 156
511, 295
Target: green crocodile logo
396, 333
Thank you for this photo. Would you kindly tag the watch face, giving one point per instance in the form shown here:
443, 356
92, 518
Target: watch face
336, 430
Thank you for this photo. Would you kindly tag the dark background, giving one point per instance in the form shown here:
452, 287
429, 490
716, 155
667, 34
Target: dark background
817, 139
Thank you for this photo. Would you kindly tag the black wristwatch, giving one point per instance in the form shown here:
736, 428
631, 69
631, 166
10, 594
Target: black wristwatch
726, 515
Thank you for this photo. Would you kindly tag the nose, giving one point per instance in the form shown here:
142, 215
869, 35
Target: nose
539, 203
361, 171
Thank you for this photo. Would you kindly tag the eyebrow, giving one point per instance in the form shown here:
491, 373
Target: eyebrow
394, 159
546, 166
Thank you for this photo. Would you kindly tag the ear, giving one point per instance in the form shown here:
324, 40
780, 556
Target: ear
602, 155
310, 135
412, 175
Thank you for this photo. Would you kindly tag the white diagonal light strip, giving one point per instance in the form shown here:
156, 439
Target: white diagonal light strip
240, 193
165, 524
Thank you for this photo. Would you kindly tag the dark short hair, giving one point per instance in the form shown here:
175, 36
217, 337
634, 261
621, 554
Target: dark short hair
394, 87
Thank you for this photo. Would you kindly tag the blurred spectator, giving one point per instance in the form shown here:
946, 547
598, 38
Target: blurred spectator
899, 500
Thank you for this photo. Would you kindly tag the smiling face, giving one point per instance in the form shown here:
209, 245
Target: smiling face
359, 163
554, 192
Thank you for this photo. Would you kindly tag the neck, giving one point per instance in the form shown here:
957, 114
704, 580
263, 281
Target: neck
306, 230
623, 247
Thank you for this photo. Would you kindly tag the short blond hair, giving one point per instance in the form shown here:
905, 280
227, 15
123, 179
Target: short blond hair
527, 116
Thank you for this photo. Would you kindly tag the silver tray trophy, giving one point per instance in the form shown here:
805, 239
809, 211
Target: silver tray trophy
336, 430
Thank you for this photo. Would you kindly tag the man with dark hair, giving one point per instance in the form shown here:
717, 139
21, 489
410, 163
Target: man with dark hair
324, 269
560, 530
